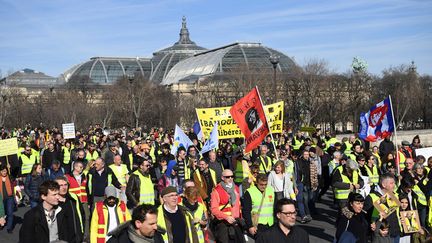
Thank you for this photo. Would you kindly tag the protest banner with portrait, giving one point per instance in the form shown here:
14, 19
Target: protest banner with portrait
410, 221
227, 128
387, 204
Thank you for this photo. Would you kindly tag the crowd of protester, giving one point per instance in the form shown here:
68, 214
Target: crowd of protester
125, 186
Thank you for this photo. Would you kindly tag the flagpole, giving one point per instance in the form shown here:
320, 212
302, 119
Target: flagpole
265, 115
395, 134
196, 112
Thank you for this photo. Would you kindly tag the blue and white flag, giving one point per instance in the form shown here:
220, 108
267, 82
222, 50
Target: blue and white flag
180, 140
197, 130
213, 141
377, 123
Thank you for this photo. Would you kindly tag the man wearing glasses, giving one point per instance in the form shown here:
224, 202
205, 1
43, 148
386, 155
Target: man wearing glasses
285, 230
140, 188
225, 207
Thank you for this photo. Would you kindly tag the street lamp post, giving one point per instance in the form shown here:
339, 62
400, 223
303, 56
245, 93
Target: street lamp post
274, 59
131, 93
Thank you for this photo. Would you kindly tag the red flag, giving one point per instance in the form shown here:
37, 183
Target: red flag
249, 115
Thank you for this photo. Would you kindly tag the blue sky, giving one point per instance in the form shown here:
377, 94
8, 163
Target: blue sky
53, 35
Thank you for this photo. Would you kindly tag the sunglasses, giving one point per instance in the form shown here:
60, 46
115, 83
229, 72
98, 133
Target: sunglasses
289, 213
228, 177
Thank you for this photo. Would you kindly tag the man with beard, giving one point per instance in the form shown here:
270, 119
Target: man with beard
141, 229
49, 155
140, 188
107, 215
285, 230
166, 154
74, 211
205, 180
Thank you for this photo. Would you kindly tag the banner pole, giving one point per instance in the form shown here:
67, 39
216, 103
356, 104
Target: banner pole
395, 135
265, 115
196, 113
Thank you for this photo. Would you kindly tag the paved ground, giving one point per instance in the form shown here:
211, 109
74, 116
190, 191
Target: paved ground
321, 228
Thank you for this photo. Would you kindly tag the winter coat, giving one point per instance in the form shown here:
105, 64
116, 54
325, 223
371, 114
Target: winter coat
31, 186
354, 223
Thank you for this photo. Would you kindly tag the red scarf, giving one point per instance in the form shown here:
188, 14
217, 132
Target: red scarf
8, 186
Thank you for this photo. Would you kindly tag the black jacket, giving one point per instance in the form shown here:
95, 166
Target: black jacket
354, 223
71, 214
121, 235
392, 219
35, 227
133, 190
276, 235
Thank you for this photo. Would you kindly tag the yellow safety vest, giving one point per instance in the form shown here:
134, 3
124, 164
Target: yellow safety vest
100, 217
348, 146
265, 164
146, 189
198, 215
330, 142
298, 143
429, 220
212, 174
373, 175
27, 163
342, 194
421, 198
93, 156
66, 155
267, 208
121, 175
161, 223
241, 171
78, 209
37, 154
378, 160
402, 160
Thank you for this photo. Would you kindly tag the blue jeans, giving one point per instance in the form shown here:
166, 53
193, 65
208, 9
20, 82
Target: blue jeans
301, 204
9, 204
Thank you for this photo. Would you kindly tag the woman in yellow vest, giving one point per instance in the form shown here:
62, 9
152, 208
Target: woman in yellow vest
197, 210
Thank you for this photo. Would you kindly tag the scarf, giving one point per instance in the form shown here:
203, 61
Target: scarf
230, 191
314, 176
134, 237
8, 186
191, 207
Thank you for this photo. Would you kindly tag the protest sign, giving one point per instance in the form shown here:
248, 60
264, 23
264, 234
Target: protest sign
426, 152
68, 130
227, 128
8, 146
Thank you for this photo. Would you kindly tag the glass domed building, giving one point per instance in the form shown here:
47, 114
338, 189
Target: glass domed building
182, 61
216, 62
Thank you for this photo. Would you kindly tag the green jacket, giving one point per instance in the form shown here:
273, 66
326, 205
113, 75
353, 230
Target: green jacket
2, 212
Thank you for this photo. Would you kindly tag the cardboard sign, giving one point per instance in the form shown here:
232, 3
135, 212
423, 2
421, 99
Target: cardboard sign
8, 146
68, 130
